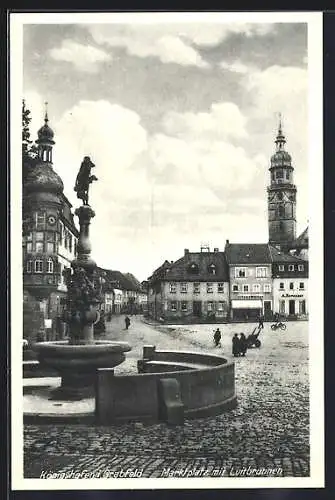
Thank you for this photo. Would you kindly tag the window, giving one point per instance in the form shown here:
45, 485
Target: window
282, 306
193, 268
39, 236
235, 288
220, 287
40, 220
184, 305
38, 266
291, 267
210, 306
196, 287
39, 246
70, 242
256, 288
240, 272
209, 287
261, 272
174, 305
245, 288
301, 286
50, 248
75, 250
220, 306
173, 288
50, 236
291, 286
29, 247
212, 269
29, 236
267, 288
50, 266
281, 267
281, 211
300, 267
281, 286
302, 307
279, 174
183, 287
61, 235
287, 174
29, 266
66, 238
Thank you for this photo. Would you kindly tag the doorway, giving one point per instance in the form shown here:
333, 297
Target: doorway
291, 307
197, 308
267, 309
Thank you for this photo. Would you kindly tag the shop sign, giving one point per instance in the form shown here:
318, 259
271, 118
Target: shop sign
291, 295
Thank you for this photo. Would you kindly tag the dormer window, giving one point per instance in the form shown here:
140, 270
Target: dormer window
193, 268
212, 269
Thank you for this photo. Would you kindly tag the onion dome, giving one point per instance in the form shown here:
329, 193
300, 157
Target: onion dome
45, 133
42, 177
280, 157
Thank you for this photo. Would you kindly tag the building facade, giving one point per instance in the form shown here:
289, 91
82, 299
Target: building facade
281, 196
46, 214
250, 281
194, 287
290, 285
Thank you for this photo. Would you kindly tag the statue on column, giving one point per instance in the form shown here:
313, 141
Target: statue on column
84, 179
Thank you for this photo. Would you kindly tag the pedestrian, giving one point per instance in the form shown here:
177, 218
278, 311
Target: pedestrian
236, 345
217, 337
260, 322
127, 322
243, 344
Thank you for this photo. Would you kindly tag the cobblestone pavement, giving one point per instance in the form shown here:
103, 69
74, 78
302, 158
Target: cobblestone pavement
268, 429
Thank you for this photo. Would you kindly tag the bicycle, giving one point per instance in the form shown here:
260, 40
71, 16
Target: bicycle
276, 326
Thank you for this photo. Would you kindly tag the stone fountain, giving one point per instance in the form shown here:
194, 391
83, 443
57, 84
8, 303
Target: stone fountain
77, 359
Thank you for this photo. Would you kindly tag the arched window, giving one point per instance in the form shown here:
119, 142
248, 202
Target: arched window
38, 266
50, 265
212, 269
29, 266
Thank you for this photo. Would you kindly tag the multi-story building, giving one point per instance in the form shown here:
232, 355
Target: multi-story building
195, 287
281, 196
250, 280
290, 285
47, 220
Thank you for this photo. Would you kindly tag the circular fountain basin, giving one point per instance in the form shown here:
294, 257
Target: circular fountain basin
77, 363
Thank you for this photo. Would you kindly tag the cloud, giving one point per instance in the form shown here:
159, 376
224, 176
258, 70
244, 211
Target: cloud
149, 42
83, 57
223, 121
235, 67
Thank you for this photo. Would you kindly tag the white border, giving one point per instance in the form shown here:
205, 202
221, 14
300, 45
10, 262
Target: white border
315, 55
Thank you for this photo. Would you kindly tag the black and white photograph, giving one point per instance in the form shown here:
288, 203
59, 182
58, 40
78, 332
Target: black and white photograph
166, 250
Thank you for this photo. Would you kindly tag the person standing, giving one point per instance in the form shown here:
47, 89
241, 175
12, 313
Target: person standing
260, 322
127, 322
217, 337
236, 345
243, 344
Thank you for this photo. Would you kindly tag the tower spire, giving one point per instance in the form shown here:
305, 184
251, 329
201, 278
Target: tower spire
46, 119
280, 139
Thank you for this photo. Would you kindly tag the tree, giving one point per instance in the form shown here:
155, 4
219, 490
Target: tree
29, 150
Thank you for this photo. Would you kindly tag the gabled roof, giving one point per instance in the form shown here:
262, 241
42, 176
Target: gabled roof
302, 240
116, 279
279, 256
195, 266
247, 253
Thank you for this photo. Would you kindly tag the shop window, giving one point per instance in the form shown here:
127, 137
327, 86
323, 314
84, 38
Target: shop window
220, 306
302, 307
210, 306
282, 306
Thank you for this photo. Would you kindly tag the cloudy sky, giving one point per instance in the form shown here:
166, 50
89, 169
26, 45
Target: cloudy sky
180, 121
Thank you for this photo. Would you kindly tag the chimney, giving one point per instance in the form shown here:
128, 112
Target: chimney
216, 250
186, 251
227, 242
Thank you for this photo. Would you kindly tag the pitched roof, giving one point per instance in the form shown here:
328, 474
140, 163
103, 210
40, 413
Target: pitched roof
248, 253
279, 256
116, 279
195, 266
302, 240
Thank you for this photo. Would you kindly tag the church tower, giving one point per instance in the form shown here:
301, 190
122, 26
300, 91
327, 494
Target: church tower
281, 196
